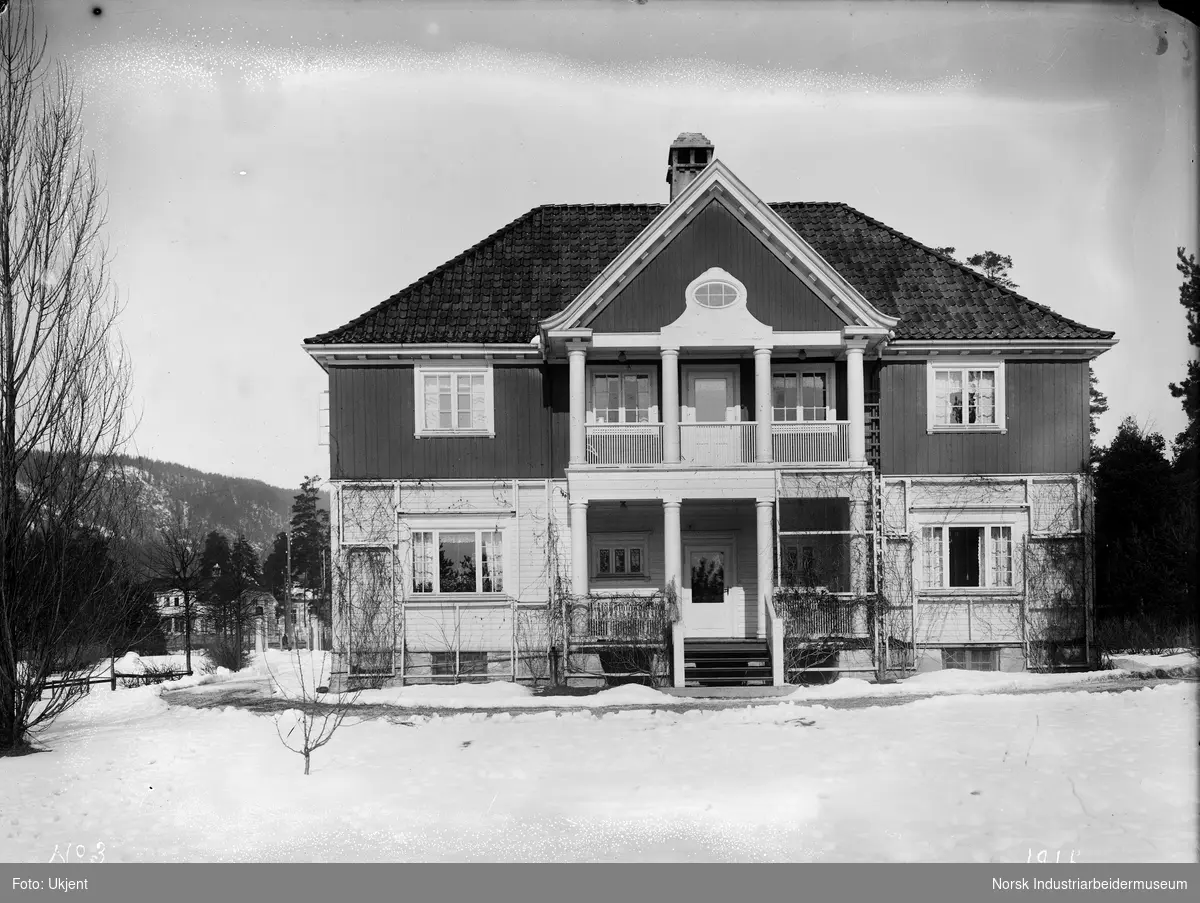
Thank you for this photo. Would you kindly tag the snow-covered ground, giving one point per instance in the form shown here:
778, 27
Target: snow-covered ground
973, 777
1176, 663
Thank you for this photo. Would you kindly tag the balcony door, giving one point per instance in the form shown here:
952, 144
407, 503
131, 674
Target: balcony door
710, 406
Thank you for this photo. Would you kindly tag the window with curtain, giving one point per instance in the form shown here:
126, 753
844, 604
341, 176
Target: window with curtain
799, 395
621, 397
457, 561
964, 397
967, 557
454, 400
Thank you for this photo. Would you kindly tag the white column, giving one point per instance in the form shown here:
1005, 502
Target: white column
673, 543
766, 557
579, 547
670, 405
762, 405
856, 401
577, 357
673, 574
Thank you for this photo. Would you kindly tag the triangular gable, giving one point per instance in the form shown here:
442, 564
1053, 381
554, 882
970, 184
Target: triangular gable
715, 236
717, 182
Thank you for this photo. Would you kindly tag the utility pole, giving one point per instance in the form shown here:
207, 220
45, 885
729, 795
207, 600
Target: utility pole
287, 607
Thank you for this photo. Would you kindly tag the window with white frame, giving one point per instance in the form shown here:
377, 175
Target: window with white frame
457, 561
454, 400
623, 397
716, 289
619, 555
716, 293
954, 557
966, 395
801, 394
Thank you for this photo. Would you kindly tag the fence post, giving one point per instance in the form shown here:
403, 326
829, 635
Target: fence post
112, 660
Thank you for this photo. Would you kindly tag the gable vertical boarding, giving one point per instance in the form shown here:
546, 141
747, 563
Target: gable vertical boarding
714, 237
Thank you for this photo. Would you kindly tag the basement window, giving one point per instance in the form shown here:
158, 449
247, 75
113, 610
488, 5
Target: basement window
970, 658
469, 664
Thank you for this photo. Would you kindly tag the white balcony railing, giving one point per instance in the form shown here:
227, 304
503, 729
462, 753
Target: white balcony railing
719, 444
624, 443
821, 442
716, 444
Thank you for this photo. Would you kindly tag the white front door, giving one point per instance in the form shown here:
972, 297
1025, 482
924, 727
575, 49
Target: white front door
711, 405
707, 577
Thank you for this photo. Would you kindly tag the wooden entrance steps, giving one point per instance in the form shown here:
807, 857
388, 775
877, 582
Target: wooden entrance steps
726, 663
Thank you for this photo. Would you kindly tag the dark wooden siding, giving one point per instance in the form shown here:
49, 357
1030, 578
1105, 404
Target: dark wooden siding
715, 238
372, 424
1047, 404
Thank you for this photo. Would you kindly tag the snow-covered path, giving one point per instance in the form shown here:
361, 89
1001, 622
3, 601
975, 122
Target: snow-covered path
1110, 776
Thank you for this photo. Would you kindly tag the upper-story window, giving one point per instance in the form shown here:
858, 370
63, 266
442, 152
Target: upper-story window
716, 293
454, 400
622, 397
966, 395
802, 394
716, 289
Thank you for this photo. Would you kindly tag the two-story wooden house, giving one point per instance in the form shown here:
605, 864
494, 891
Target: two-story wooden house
723, 439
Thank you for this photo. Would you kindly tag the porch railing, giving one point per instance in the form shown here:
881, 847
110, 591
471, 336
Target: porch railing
823, 616
624, 443
719, 444
620, 619
716, 444
820, 442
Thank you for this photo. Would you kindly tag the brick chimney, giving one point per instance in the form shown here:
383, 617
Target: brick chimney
689, 154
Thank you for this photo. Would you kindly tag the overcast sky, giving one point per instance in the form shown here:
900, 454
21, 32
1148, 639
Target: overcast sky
277, 167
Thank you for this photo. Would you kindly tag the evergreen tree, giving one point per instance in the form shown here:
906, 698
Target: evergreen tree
1188, 390
310, 536
1143, 544
215, 559
274, 570
1097, 402
989, 263
310, 539
994, 266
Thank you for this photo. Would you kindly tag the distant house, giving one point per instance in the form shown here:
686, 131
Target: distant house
730, 440
169, 601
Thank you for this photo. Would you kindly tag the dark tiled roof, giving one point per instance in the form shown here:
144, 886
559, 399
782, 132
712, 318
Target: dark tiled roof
499, 290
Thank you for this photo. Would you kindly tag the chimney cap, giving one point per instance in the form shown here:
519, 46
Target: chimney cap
691, 139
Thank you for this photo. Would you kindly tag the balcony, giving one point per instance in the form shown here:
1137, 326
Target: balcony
822, 442
624, 443
718, 444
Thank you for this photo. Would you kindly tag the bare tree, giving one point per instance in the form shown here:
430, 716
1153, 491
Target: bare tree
317, 716
174, 557
64, 392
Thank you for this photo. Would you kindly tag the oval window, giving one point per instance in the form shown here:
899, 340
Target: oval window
715, 294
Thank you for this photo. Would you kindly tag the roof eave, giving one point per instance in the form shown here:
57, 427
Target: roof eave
326, 354
1088, 347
